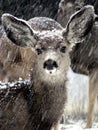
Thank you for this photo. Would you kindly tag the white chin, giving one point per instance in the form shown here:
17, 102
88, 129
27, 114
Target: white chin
51, 72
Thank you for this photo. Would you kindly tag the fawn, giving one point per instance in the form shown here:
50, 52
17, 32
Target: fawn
41, 105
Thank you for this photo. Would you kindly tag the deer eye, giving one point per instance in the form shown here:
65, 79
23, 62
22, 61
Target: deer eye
39, 51
63, 49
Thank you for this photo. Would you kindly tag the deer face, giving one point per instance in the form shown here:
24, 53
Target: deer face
51, 46
52, 55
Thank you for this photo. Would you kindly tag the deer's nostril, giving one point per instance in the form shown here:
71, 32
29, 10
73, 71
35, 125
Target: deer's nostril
50, 64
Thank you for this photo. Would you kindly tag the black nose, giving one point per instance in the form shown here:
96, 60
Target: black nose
50, 64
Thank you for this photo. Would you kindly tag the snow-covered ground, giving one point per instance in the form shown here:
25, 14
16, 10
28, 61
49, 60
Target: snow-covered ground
77, 126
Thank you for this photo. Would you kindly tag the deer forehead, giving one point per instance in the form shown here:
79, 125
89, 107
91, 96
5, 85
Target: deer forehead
50, 38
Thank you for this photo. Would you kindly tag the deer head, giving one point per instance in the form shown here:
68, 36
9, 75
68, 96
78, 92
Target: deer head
52, 46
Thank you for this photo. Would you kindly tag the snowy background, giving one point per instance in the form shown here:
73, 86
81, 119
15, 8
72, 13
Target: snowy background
76, 107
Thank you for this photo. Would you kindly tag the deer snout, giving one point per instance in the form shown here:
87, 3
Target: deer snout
50, 64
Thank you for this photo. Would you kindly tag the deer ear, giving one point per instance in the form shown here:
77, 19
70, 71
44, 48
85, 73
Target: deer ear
18, 31
79, 25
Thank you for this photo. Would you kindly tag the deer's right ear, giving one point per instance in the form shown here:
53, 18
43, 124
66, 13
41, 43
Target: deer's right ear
18, 31
79, 25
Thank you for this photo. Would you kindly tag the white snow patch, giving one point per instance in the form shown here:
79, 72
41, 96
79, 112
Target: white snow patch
76, 126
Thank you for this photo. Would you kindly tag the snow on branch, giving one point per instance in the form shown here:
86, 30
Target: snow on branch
10, 89
15, 85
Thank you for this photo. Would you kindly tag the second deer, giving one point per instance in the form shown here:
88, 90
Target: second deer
84, 57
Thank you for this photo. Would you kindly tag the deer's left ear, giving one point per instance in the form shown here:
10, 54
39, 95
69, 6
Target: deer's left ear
18, 31
79, 25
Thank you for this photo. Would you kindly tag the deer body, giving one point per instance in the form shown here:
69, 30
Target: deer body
43, 102
33, 110
84, 58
